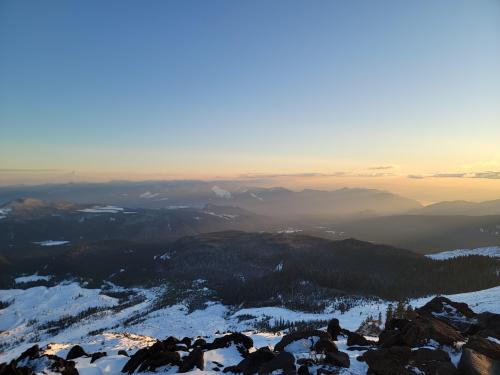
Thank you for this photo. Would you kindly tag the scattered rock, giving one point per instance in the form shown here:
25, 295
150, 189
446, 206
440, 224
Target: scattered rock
97, 355
252, 363
192, 360
122, 352
242, 342
340, 359
474, 363
357, 339
291, 337
334, 329
76, 352
283, 361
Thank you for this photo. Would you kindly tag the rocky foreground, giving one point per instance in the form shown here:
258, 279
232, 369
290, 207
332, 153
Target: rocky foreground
440, 338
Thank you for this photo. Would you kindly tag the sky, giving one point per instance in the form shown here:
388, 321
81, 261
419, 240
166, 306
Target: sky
398, 95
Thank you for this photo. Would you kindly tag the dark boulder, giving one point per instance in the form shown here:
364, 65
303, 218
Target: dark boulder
252, 363
419, 331
186, 341
199, 343
432, 362
325, 346
31, 353
12, 369
402, 360
334, 328
135, 360
340, 359
64, 367
97, 355
357, 339
242, 342
285, 362
122, 352
456, 314
232, 369
303, 370
474, 363
160, 359
484, 346
387, 361
192, 360
76, 352
304, 335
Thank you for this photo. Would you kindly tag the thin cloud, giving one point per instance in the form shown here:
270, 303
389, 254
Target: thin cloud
381, 167
415, 176
489, 175
20, 170
449, 175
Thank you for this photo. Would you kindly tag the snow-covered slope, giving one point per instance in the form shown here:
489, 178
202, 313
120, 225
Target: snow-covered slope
46, 315
493, 252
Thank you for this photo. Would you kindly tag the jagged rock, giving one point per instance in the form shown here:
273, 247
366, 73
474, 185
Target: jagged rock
387, 361
419, 331
432, 362
159, 359
199, 343
340, 359
484, 346
192, 360
325, 346
252, 363
134, 362
288, 339
76, 352
31, 353
324, 371
63, 366
303, 370
122, 352
402, 360
233, 369
456, 314
242, 342
489, 322
186, 341
97, 355
283, 361
474, 363
334, 328
356, 339
12, 369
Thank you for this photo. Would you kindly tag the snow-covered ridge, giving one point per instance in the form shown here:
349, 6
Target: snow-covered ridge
31, 278
221, 193
4, 212
493, 252
102, 209
51, 243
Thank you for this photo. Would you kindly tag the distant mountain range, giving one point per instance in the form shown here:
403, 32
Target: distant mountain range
274, 202
462, 208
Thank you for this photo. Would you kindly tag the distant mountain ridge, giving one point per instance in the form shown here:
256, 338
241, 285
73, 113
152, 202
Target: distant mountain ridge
491, 207
276, 201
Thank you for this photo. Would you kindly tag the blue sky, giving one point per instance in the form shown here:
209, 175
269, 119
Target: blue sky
225, 87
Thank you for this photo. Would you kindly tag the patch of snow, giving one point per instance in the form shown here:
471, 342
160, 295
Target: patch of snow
221, 193
31, 278
222, 216
102, 210
279, 267
148, 195
289, 230
493, 252
493, 339
51, 243
253, 195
